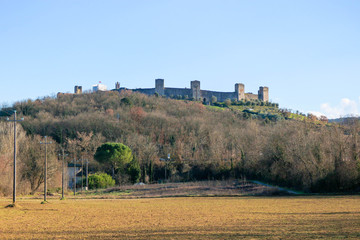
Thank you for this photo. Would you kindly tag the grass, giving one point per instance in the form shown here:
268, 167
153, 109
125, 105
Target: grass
184, 218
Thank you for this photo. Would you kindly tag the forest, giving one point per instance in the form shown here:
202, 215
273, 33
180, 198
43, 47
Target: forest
204, 142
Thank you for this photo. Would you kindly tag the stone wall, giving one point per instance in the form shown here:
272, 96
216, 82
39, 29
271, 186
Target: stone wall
202, 95
174, 92
220, 96
251, 96
148, 91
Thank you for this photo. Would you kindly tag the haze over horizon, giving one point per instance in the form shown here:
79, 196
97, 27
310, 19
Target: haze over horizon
306, 52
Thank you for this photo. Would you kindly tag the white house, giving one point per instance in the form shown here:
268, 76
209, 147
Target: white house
99, 87
71, 172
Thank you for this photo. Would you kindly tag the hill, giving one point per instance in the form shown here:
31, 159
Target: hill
226, 140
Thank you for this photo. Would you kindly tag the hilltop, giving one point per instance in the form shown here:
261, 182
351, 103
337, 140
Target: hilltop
250, 139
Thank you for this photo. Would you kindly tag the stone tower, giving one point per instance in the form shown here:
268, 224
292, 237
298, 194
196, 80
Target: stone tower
78, 89
195, 88
159, 86
240, 91
117, 85
263, 94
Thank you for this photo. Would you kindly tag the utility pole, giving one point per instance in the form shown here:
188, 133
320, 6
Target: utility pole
87, 174
63, 173
74, 176
14, 179
82, 173
166, 160
45, 168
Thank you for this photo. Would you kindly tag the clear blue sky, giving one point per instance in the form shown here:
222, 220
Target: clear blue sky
306, 52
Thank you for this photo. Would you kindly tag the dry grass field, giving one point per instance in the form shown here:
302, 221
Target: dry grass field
184, 218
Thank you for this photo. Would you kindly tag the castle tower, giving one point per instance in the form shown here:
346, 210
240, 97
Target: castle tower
78, 90
240, 91
195, 88
159, 86
263, 94
117, 85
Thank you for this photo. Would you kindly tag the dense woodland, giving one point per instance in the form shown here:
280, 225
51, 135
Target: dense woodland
204, 142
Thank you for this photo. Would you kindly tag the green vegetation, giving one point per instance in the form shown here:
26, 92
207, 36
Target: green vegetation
116, 155
121, 161
134, 170
100, 180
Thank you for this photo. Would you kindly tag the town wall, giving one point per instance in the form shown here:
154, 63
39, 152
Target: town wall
251, 96
174, 92
220, 96
148, 91
195, 92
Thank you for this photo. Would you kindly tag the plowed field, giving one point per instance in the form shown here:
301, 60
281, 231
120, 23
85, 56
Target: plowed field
183, 218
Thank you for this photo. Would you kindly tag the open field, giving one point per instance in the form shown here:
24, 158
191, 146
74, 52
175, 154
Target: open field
184, 218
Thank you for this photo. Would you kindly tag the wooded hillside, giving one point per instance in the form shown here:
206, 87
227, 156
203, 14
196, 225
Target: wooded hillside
204, 142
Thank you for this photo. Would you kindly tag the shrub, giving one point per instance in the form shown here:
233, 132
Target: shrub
126, 102
100, 180
227, 102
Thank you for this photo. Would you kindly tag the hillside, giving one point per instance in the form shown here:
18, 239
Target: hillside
204, 142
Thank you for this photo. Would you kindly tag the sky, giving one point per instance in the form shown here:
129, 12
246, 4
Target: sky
306, 52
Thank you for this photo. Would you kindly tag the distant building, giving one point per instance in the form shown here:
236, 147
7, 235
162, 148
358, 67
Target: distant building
71, 170
99, 87
78, 90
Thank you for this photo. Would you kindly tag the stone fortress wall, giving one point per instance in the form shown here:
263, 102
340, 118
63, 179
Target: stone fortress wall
196, 93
